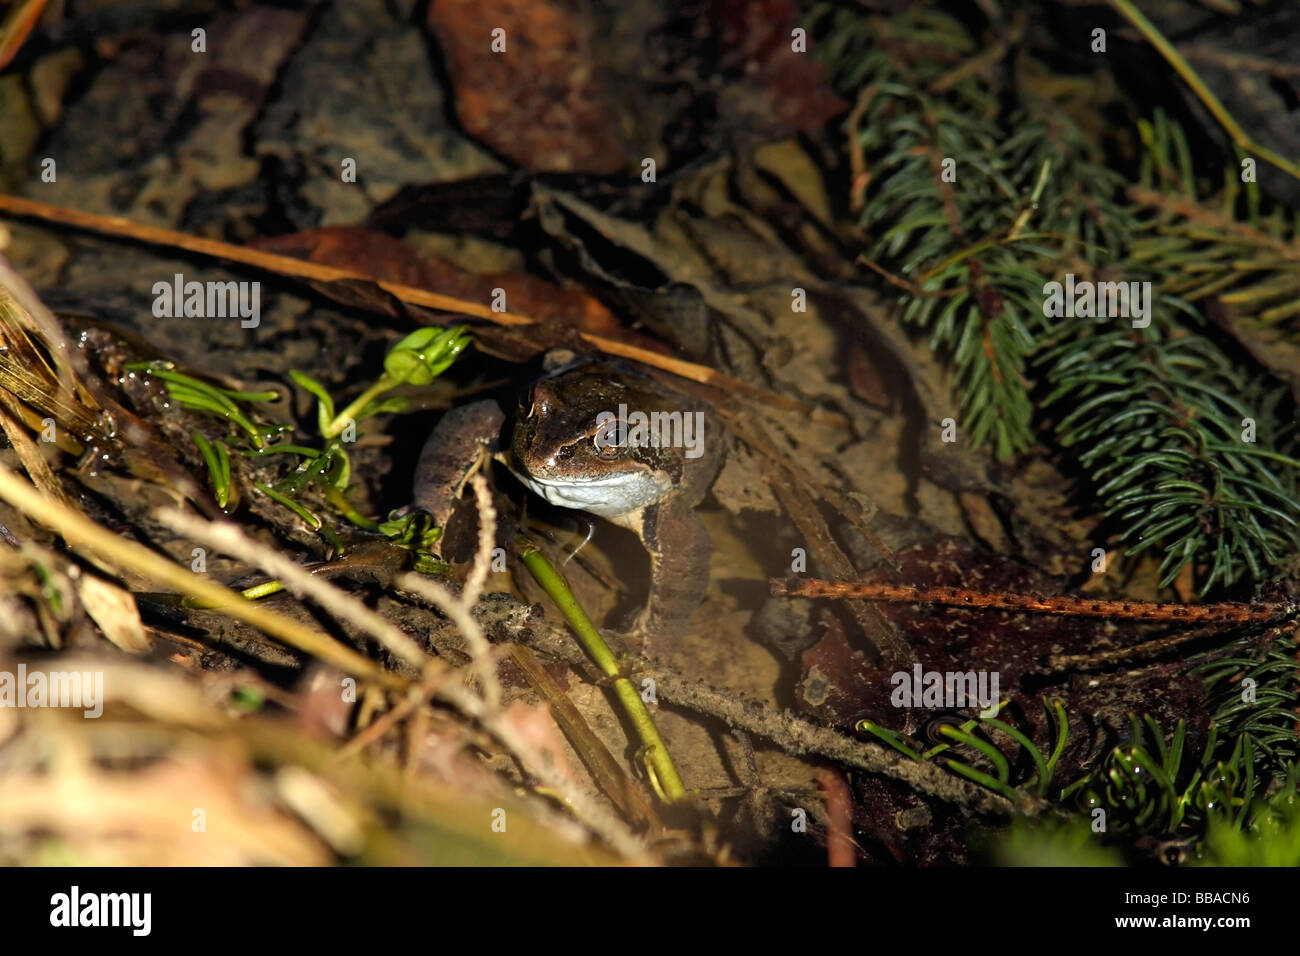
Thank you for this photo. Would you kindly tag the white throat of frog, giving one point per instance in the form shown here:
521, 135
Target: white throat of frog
608, 496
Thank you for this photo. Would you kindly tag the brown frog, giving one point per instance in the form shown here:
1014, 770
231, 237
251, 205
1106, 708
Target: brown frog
594, 435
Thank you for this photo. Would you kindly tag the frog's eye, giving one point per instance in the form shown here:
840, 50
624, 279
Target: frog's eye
606, 447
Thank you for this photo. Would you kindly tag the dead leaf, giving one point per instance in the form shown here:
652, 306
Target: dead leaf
537, 101
114, 610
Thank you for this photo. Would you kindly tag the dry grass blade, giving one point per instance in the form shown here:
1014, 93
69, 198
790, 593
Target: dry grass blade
229, 539
29, 453
17, 25
37, 388
106, 547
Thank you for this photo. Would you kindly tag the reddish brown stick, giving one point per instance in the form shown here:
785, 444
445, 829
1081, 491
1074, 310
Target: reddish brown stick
965, 597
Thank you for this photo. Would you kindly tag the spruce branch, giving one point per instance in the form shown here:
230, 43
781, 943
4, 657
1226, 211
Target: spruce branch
972, 258
1190, 455
1198, 251
1156, 418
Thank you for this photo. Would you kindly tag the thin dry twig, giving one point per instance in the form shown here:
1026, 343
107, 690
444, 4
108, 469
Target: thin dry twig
415, 698
233, 541
459, 612
487, 536
104, 546
479, 647
305, 269
1050, 604
230, 539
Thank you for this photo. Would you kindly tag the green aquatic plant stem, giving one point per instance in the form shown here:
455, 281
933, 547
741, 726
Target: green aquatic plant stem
417, 359
335, 426
668, 781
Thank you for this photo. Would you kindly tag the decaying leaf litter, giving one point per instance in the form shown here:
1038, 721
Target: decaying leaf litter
764, 698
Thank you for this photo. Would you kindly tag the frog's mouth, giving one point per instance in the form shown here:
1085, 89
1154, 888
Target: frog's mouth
606, 495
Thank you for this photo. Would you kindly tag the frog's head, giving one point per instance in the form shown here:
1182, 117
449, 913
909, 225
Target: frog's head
569, 443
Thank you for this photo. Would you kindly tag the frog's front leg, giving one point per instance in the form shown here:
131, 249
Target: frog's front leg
461, 442
679, 550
